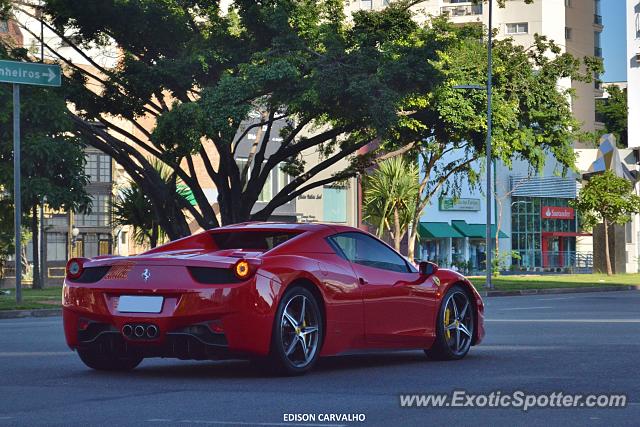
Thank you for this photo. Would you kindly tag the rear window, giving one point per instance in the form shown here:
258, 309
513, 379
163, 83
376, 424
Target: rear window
255, 240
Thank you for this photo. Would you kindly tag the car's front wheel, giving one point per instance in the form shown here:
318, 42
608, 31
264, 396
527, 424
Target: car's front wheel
297, 333
109, 361
454, 326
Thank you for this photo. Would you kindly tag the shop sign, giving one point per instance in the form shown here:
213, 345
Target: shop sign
451, 204
557, 212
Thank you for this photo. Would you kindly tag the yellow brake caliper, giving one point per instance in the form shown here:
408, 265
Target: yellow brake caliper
447, 315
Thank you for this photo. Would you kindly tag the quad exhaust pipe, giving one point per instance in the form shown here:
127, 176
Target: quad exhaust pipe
139, 331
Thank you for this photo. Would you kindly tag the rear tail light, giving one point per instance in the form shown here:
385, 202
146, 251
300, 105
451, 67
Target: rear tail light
242, 269
75, 266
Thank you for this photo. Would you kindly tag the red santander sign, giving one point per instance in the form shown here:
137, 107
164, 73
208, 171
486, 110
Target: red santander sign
557, 212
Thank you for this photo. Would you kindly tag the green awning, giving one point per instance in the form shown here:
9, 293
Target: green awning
437, 230
475, 231
186, 192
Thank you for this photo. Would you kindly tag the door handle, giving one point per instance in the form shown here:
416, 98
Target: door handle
362, 281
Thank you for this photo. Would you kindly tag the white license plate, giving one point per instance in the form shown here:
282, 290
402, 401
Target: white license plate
140, 304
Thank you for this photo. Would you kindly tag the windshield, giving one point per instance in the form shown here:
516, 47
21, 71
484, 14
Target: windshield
254, 240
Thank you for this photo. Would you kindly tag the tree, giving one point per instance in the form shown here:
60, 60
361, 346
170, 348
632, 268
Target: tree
199, 72
132, 207
606, 199
390, 193
613, 112
446, 127
52, 157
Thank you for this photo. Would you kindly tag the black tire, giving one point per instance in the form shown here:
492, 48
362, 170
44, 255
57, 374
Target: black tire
288, 341
108, 361
452, 341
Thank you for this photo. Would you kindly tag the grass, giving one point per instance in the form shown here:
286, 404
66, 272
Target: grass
50, 297
510, 283
32, 298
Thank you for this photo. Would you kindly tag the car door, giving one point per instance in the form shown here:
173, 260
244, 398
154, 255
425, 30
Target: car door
398, 302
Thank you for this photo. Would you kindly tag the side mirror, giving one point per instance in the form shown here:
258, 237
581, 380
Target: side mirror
427, 268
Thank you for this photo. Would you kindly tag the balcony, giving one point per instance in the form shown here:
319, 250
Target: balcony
462, 10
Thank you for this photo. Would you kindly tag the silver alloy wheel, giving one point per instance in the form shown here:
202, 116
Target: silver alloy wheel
299, 331
458, 323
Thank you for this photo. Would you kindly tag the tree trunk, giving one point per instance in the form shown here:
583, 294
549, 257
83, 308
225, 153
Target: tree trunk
153, 238
606, 247
397, 233
35, 235
411, 240
497, 238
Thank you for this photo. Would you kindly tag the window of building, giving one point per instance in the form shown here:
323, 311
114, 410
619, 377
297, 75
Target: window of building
334, 204
104, 244
90, 245
567, 33
275, 182
98, 167
366, 4
628, 232
4, 26
123, 237
518, 28
100, 215
567, 3
56, 246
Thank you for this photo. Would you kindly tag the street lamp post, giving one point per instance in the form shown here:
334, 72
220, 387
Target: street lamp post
489, 283
488, 88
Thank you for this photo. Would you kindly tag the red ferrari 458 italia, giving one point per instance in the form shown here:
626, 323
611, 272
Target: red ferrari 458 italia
284, 293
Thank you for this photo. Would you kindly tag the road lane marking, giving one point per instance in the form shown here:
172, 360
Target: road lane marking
242, 423
565, 320
34, 353
555, 299
523, 308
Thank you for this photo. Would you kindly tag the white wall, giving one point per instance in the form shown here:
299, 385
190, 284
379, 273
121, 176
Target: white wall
633, 70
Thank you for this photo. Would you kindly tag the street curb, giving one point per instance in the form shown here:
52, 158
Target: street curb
555, 291
43, 312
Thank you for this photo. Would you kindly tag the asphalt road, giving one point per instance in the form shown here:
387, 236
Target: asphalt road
580, 343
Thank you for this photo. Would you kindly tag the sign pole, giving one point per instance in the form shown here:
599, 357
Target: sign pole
16, 189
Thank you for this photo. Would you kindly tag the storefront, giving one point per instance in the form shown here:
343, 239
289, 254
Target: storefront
458, 245
544, 231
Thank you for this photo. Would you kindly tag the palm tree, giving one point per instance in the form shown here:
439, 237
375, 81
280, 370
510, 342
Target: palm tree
390, 196
132, 207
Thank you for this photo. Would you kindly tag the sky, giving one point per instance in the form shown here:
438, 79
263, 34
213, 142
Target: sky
613, 40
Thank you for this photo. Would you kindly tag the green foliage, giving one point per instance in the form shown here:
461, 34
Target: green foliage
613, 112
606, 197
52, 158
531, 115
132, 207
391, 189
200, 72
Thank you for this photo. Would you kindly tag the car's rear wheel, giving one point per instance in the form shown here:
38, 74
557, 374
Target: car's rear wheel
454, 326
109, 361
297, 333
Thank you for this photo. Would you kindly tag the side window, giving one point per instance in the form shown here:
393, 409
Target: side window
362, 249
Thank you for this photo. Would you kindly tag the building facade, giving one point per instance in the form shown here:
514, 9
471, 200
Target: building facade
633, 71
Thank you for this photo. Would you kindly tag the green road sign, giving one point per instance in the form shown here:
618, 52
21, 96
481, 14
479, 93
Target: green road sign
30, 73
